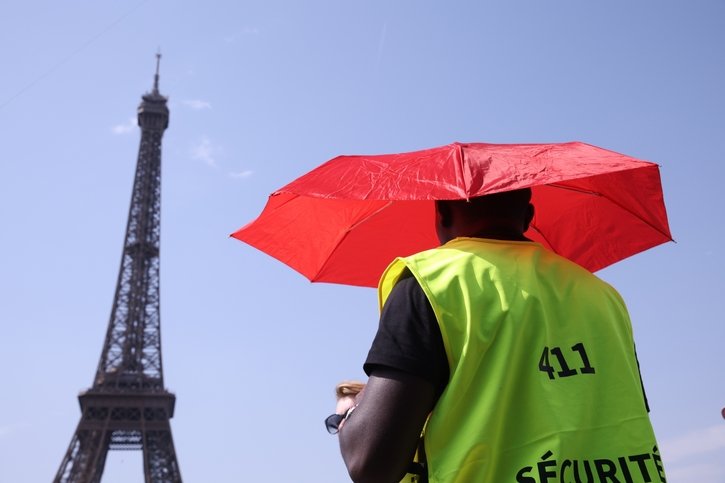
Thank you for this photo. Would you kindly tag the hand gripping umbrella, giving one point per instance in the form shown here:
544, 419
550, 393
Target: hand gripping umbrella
346, 220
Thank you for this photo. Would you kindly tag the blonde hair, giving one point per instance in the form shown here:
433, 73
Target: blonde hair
348, 388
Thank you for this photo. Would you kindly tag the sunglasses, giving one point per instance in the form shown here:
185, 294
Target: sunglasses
332, 423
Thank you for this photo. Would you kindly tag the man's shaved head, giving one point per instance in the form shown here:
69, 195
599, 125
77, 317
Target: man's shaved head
499, 215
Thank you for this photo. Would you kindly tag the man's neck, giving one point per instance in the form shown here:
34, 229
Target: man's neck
499, 233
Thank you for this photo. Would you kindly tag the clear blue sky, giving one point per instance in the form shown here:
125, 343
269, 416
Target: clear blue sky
261, 92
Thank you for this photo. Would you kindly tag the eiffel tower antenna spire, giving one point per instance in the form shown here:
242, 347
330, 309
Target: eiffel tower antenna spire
128, 407
156, 76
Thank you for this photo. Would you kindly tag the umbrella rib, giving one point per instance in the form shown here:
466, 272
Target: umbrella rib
578, 190
464, 170
371, 215
347, 232
543, 237
655, 228
619, 205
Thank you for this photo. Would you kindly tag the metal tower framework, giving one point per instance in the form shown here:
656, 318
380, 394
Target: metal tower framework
128, 407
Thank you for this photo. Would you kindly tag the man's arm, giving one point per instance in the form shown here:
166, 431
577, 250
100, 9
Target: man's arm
379, 439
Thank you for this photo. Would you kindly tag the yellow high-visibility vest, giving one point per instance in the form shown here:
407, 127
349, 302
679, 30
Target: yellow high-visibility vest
544, 383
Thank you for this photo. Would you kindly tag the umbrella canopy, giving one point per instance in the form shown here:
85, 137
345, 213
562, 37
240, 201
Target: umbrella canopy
346, 220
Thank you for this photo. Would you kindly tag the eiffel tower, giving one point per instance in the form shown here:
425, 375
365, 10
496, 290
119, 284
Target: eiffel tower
128, 407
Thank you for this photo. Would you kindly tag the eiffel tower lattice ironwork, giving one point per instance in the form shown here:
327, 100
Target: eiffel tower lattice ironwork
128, 407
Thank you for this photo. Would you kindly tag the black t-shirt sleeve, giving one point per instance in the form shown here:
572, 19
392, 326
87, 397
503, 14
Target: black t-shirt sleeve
408, 337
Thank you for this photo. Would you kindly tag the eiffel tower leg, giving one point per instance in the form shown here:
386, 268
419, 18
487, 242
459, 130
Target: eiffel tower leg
85, 458
159, 457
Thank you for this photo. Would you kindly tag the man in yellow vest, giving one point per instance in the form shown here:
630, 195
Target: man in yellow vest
520, 363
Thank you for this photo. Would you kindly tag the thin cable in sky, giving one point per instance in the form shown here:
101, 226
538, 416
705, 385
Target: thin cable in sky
68, 57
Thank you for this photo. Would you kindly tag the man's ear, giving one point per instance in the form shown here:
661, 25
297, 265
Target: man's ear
445, 215
529, 216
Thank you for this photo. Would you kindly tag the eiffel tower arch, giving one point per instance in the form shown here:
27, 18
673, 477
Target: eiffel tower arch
128, 407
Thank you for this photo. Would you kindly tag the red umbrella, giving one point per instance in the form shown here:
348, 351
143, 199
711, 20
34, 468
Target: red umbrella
346, 220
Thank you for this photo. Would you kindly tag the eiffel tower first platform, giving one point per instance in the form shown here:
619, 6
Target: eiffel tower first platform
128, 406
